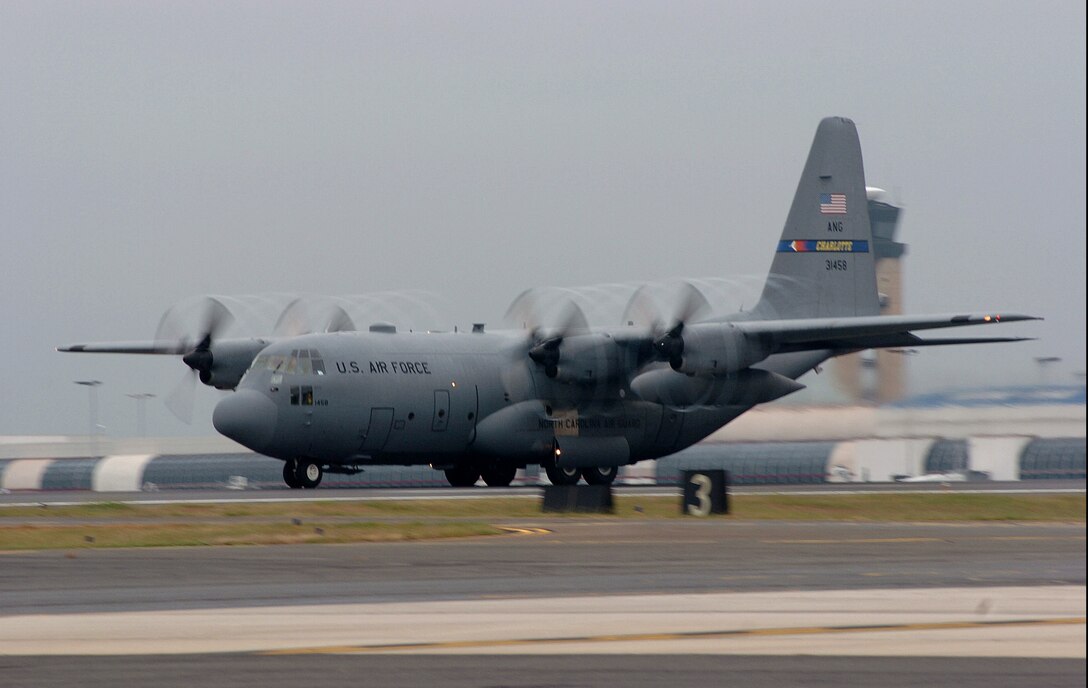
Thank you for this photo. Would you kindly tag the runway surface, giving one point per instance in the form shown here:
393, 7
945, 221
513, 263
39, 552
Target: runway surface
640, 603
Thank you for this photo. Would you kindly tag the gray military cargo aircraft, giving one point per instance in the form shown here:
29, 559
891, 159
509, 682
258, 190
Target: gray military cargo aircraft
579, 401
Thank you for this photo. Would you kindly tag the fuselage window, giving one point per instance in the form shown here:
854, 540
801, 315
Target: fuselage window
302, 395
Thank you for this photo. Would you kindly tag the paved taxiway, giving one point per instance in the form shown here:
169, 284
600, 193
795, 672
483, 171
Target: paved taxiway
988, 602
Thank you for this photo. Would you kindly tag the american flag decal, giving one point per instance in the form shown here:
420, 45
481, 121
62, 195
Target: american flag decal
833, 204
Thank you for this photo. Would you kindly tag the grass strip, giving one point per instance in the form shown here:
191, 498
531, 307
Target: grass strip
957, 506
140, 525
496, 507
170, 534
898, 507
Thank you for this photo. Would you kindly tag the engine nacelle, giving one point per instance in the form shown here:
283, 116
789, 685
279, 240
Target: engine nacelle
716, 349
585, 359
224, 363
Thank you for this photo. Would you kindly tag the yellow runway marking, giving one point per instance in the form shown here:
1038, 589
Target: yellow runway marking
687, 635
525, 531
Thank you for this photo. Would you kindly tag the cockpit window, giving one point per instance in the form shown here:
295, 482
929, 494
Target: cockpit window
300, 362
316, 362
304, 367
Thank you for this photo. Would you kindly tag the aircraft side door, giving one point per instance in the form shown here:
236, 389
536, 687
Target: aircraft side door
301, 410
377, 433
441, 418
668, 434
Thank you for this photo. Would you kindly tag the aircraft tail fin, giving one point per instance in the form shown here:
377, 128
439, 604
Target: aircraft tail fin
824, 264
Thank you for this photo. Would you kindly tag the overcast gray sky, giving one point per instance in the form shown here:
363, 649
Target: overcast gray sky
150, 152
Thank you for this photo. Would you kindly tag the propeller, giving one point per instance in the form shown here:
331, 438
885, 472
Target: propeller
338, 320
296, 319
688, 304
207, 317
546, 353
293, 319
537, 312
547, 314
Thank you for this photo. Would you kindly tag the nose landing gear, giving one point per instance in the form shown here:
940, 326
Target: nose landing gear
302, 474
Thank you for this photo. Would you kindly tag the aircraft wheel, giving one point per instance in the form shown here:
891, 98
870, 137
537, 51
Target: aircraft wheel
289, 475
308, 473
600, 475
563, 476
499, 475
465, 475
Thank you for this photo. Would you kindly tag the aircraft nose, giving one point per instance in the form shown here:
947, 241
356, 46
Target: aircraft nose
247, 417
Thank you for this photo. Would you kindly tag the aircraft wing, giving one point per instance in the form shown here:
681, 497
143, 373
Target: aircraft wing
161, 348
868, 332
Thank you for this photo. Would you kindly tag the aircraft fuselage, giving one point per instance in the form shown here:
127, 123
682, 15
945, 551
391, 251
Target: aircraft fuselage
442, 399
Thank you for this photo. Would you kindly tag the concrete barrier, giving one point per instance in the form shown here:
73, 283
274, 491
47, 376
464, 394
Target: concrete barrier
998, 456
25, 474
120, 473
883, 460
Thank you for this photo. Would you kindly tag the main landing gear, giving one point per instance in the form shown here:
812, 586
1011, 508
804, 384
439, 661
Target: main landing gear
302, 474
597, 475
494, 474
463, 475
600, 475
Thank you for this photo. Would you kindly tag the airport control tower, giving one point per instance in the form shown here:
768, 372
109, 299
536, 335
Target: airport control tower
879, 376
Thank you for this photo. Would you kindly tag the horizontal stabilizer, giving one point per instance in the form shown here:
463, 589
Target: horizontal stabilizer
810, 334
894, 341
946, 341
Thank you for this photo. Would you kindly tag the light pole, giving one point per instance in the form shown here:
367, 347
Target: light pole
141, 411
92, 390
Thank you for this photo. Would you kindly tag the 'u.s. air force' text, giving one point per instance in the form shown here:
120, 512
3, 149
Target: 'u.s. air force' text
385, 367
